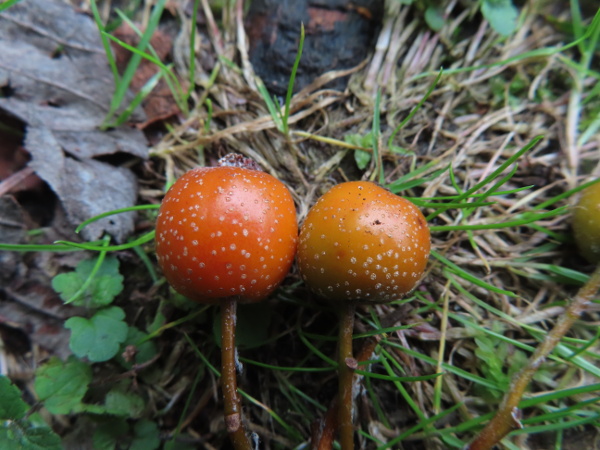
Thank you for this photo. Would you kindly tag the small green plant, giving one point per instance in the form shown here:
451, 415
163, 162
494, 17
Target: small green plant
99, 337
61, 386
21, 428
493, 355
501, 14
64, 387
361, 157
94, 283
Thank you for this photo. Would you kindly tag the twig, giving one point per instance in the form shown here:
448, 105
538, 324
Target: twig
213, 28
242, 45
506, 419
13, 180
324, 431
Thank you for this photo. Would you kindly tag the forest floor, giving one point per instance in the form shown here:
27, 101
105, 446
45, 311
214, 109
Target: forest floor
496, 148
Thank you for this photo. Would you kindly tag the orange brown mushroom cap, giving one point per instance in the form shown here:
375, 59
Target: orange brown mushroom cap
586, 223
360, 242
226, 231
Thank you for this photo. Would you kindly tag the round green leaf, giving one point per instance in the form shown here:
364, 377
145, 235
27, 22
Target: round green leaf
98, 338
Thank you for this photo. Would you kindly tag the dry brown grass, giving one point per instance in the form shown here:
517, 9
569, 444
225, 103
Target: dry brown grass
495, 96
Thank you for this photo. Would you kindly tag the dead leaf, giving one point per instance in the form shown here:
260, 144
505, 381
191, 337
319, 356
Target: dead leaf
12, 231
56, 79
86, 187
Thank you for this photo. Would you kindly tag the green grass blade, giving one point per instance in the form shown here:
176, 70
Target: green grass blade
38, 248
491, 177
114, 212
125, 81
274, 111
533, 54
456, 270
525, 219
91, 276
7, 4
105, 43
137, 99
416, 108
111, 248
315, 350
290, 89
376, 136
367, 374
286, 369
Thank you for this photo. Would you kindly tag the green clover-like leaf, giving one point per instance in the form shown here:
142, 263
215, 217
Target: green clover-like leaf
12, 406
434, 16
83, 287
61, 386
120, 401
23, 435
146, 436
362, 159
98, 338
501, 14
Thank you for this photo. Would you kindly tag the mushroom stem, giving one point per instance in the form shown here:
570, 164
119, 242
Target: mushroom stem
323, 436
506, 419
232, 404
346, 367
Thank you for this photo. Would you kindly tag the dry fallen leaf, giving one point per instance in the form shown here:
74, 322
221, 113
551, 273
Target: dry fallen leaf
86, 187
12, 231
55, 78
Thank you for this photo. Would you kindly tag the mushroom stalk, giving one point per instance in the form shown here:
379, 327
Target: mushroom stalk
360, 243
346, 367
323, 438
232, 404
506, 419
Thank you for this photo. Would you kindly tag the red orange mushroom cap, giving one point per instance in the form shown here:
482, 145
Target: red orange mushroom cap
226, 231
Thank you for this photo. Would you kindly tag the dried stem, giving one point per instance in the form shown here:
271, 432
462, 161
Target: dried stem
231, 399
346, 367
506, 419
324, 431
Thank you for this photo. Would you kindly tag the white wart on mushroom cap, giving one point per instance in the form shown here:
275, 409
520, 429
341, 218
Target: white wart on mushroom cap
360, 242
226, 231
